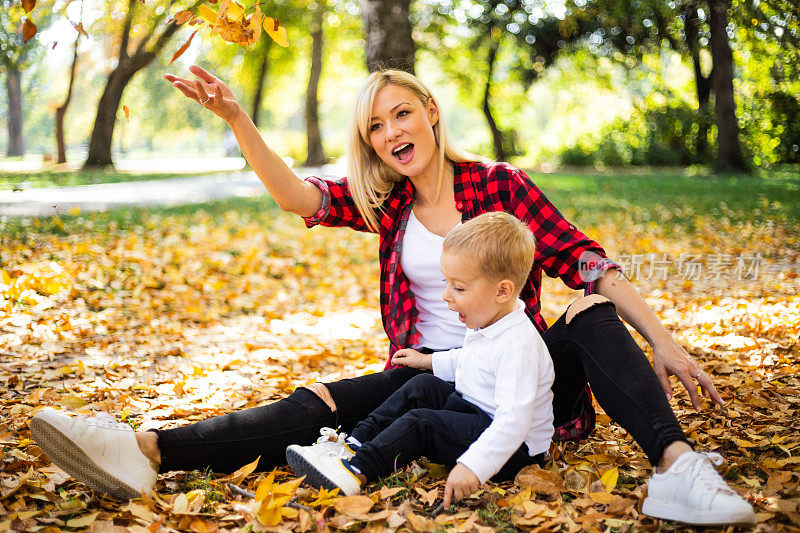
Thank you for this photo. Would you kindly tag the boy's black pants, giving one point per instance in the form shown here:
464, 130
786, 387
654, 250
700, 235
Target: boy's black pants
426, 416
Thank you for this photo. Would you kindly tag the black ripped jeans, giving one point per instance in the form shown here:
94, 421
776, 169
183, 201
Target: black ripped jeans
595, 347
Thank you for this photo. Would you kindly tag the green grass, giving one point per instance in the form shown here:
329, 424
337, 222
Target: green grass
669, 198
674, 197
60, 178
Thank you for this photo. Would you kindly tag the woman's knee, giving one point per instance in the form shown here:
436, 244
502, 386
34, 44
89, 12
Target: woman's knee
583, 304
323, 393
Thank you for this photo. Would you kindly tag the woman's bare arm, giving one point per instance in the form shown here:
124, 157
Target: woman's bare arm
669, 358
291, 193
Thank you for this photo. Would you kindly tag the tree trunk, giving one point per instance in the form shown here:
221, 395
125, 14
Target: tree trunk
61, 110
263, 68
103, 132
127, 66
702, 83
387, 30
500, 152
730, 151
14, 89
316, 155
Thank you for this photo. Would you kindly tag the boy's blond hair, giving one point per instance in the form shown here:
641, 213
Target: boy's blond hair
503, 246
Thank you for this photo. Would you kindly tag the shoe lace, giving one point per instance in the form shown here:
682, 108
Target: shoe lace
702, 469
105, 420
333, 443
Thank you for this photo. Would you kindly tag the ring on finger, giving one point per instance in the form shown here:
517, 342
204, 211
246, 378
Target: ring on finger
698, 375
207, 100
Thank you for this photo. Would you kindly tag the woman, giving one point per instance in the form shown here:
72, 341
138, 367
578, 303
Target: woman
411, 185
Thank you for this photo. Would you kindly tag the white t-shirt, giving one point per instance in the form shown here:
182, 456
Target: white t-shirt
505, 370
420, 259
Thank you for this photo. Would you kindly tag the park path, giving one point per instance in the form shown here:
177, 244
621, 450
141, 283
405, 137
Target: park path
146, 193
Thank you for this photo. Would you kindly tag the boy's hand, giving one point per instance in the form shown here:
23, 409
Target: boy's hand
413, 358
460, 483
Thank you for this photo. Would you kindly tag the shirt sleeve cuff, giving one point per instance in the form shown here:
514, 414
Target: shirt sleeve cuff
598, 272
442, 365
481, 468
325, 207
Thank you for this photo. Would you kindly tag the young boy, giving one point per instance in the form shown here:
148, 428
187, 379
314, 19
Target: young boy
496, 418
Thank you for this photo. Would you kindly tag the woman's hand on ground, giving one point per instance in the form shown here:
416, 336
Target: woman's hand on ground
210, 92
413, 358
460, 483
670, 359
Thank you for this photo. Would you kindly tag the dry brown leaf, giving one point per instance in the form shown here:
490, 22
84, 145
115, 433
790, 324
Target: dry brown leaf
28, 5
183, 48
28, 30
354, 505
182, 17
80, 29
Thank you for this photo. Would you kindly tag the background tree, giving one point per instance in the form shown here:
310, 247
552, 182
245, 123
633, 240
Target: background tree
316, 154
387, 32
61, 110
155, 31
15, 55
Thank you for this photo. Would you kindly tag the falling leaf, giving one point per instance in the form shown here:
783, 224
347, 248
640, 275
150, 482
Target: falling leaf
276, 32
183, 48
127, 112
181, 17
28, 5
80, 29
256, 20
28, 30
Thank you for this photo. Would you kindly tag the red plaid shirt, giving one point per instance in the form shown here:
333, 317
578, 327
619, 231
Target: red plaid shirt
479, 188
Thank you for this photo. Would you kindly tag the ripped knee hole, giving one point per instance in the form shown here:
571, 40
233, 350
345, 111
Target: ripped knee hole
584, 304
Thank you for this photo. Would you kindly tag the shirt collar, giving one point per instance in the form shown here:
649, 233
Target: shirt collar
512, 319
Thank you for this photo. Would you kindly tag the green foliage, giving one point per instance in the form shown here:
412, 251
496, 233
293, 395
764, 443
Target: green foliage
662, 134
771, 128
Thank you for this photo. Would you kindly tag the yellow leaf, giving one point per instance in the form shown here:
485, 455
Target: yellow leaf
255, 23
325, 497
265, 487
222, 11
609, 479
276, 32
238, 476
270, 514
208, 14
83, 521
288, 487
602, 497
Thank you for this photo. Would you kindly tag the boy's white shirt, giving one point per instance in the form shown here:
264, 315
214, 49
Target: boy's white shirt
505, 370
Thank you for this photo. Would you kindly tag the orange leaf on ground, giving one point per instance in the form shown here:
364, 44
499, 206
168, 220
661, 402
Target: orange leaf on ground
28, 30
353, 505
183, 48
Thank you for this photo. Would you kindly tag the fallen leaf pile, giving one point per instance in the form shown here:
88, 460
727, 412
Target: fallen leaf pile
187, 316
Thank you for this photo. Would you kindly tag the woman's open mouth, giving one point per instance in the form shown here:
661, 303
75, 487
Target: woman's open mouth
404, 153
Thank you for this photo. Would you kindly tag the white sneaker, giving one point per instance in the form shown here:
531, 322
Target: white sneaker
99, 451
325, 463
692, 491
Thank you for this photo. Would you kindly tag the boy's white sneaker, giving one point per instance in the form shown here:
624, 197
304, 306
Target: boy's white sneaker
325, 464
332, 443
98, 451
692, 491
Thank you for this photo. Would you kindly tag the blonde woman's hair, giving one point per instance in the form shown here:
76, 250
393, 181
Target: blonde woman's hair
501, 244
370, 179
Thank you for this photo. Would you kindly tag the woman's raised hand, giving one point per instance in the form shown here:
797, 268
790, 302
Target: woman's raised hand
210, 92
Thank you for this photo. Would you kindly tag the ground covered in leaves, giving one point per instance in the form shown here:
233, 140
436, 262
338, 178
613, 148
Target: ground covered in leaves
170, 316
